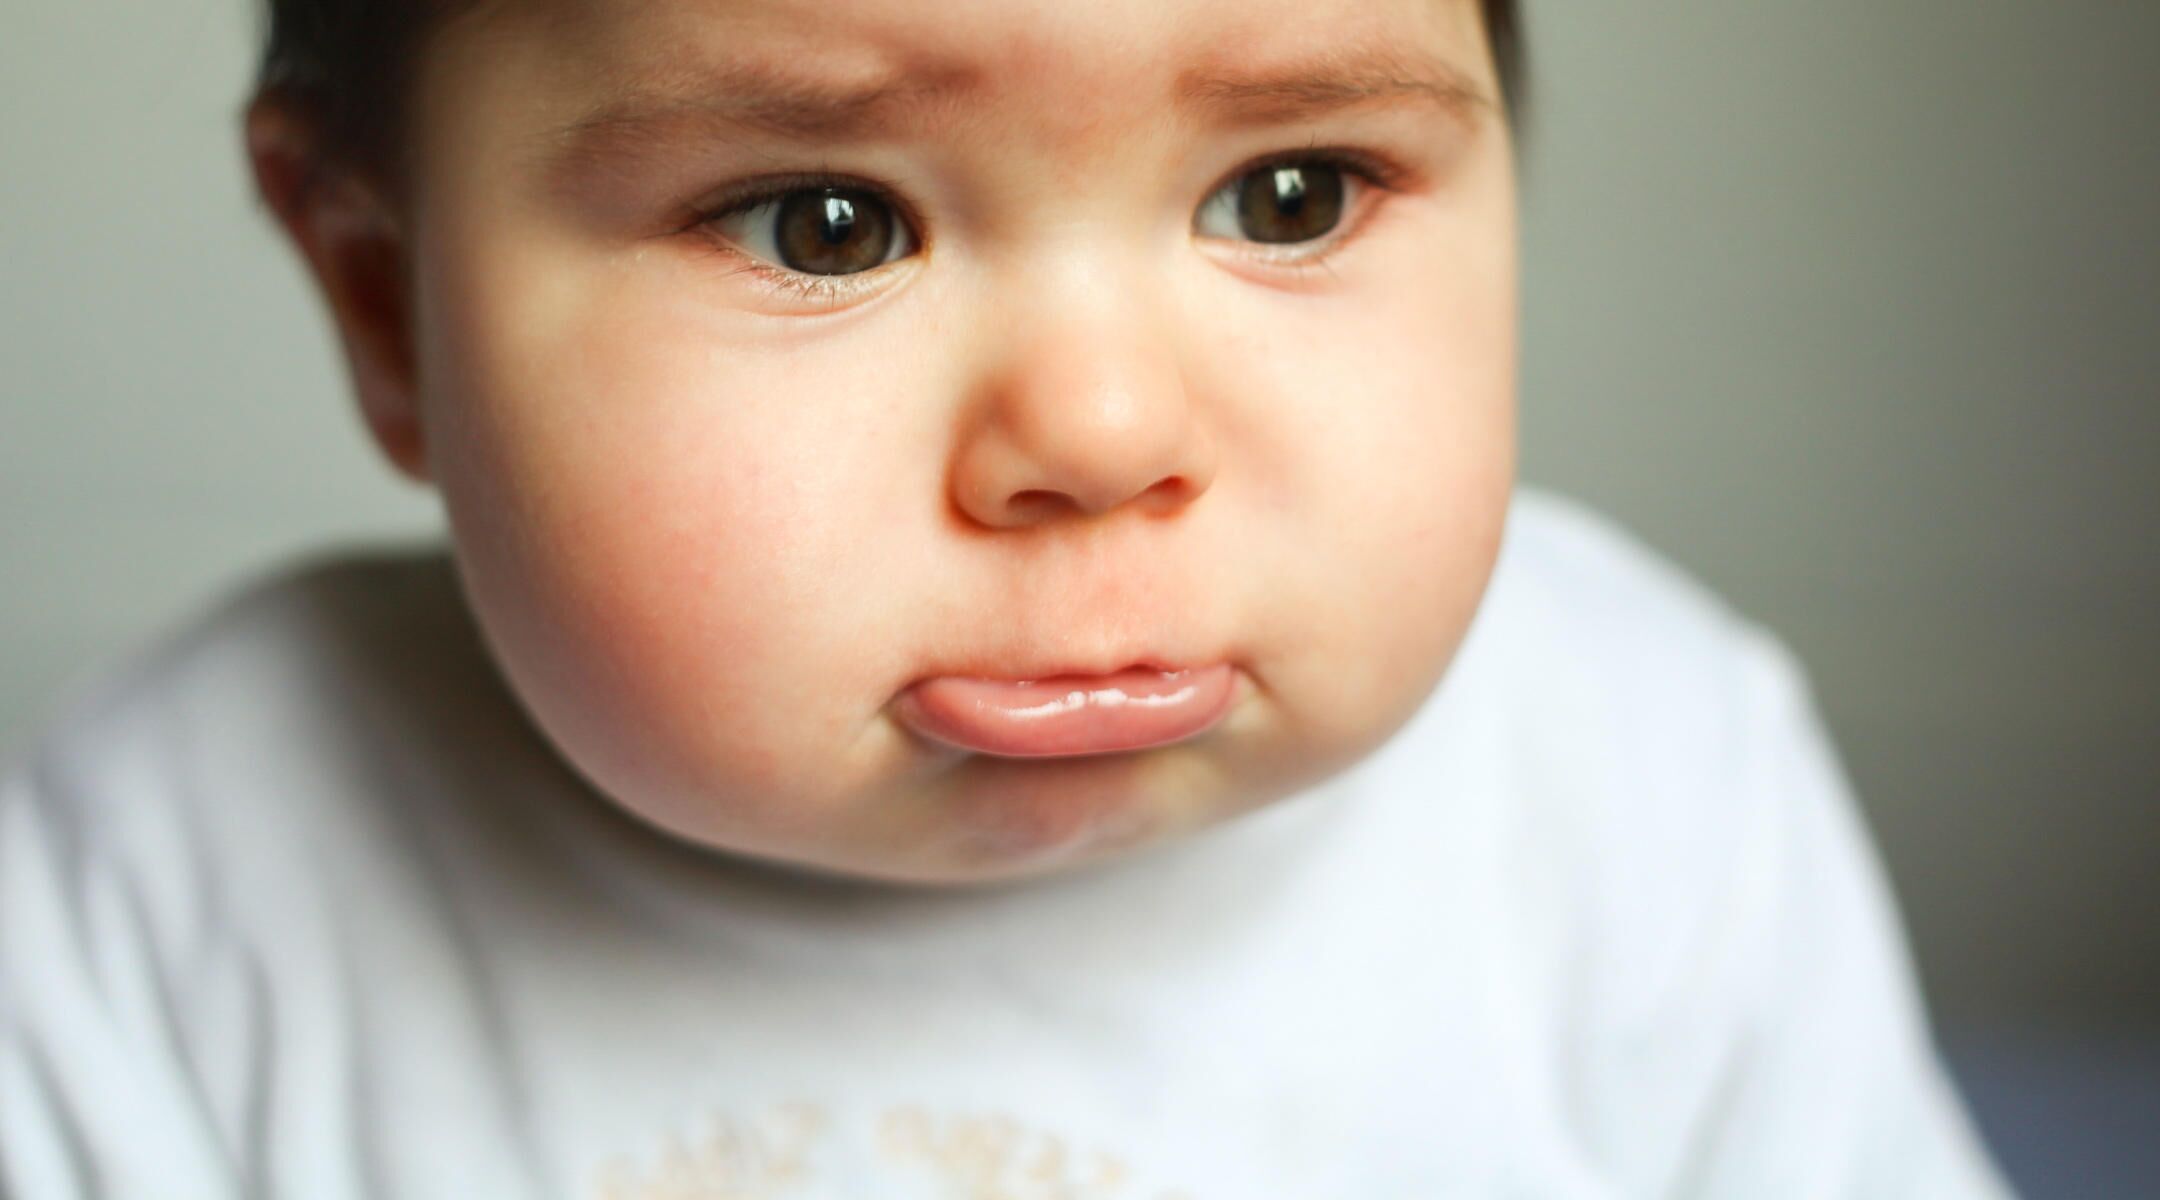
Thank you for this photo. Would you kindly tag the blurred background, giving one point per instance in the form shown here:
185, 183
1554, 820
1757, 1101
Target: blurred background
1851, 307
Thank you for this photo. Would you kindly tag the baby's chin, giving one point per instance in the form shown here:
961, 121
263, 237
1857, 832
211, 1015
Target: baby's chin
992, 821
978, 820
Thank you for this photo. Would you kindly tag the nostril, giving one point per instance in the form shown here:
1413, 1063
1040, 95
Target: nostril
1168, 492
1034, 502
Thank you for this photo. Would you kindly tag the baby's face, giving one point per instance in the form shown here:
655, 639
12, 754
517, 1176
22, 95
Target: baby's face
786, 364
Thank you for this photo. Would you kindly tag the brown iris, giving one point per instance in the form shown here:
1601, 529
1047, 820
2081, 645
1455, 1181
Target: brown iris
1293, 202
833, 231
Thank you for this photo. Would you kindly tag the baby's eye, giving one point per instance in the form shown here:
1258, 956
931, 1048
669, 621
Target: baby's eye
1298, 200
821, 230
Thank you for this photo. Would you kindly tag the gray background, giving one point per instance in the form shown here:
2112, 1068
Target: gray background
1847, 305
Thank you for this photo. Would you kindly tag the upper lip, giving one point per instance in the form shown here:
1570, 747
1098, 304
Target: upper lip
1004, 673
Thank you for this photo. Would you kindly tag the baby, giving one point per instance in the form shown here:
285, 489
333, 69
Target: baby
989, 647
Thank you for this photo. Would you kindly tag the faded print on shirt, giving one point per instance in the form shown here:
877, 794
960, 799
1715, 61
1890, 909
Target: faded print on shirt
799, 1150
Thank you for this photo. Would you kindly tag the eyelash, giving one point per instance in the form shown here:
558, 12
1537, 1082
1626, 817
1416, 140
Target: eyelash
1370, 170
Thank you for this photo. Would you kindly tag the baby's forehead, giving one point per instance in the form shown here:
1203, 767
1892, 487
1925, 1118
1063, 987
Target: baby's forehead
838, 70
1018, 42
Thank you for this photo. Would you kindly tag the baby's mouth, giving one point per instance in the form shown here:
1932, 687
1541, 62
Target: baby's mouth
1059, 715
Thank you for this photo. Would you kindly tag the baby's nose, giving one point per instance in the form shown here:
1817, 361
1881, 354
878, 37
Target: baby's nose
1081, 408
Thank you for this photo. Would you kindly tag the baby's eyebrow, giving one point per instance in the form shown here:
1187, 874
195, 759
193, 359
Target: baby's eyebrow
1347, 79
763, 98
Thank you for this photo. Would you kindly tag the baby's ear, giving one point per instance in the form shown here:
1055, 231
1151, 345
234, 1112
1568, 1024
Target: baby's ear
352, 239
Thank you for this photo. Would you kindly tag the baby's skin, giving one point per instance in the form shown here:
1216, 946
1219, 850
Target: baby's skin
786, 365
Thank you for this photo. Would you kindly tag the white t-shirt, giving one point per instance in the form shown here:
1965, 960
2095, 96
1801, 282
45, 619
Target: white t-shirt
298, 905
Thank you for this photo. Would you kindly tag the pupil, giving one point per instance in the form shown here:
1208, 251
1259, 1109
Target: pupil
1290, 191
833, 231
1294, 203
839, 220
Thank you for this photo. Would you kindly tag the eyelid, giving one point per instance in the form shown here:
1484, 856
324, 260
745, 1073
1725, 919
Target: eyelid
1374, 169
750, 194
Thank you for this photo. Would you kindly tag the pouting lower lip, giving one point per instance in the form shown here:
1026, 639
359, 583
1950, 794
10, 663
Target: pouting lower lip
1084, 692
1067, 715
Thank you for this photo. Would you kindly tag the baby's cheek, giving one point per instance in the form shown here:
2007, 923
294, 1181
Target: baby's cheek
688, 594
648, 556
1419, 489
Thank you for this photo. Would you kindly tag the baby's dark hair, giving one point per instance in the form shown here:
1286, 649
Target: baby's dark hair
346, 66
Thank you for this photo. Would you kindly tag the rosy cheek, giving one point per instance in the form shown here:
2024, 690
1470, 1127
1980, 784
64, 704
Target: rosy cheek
693, 520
